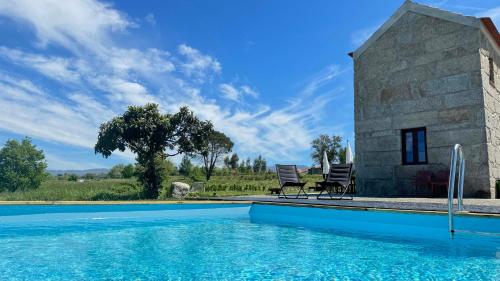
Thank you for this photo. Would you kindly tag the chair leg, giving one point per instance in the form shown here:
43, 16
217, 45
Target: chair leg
305, 194
343, 193
328, 192
282, 191
317, 197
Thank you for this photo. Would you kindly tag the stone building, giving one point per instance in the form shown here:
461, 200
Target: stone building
424, 81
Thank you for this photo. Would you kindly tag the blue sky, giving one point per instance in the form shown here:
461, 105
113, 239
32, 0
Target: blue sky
272, 75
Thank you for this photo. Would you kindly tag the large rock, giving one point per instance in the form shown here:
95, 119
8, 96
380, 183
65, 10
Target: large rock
180, 189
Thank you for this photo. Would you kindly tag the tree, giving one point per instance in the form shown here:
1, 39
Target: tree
332, 146
128, 171
227, 162
72, 177
169, 167
342, 155
212, 149
116, 171
259, 165
248, 165
233, 161
149, 134
185, 166
89, 176
22, 166
241, 167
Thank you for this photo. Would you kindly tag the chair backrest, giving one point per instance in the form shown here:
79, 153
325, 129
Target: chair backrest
340, 173
287, 173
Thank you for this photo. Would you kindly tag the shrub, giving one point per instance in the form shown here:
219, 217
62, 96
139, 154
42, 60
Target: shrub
22, 166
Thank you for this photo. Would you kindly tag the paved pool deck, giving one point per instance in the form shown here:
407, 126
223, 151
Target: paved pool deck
472, 206
478, 206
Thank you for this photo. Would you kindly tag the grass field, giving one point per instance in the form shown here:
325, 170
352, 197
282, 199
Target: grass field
130, 189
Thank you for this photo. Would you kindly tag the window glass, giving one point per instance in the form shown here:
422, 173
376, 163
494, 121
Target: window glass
414, 146
421, 146
409, 147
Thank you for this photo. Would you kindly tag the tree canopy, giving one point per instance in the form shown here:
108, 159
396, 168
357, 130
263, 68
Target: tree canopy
211, 150
332, 146
22, 166
185, 166
151, 135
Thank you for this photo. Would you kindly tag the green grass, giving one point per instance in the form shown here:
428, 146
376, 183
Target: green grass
130, 189
238, 185
109, 189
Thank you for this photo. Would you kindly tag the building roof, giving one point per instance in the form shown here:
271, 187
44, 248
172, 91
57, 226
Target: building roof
484, 24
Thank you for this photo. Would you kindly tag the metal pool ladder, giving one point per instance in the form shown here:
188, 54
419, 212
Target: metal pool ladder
456, 155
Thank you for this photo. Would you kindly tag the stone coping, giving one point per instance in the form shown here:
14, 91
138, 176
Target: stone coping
423, 205
131, 202
472, 206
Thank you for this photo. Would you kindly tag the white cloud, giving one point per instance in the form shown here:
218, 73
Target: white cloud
230, 92
150, 18
54, 67
40, 116
493, 13
72, 24
105, 76
359, 36
249, 91
57, 163
129, 93
196, 64
321, 79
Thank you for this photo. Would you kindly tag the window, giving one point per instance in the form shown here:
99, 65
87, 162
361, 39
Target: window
414, 145
492, 71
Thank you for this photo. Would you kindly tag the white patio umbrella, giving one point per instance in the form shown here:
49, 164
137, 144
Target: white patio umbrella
326, 164
348, 154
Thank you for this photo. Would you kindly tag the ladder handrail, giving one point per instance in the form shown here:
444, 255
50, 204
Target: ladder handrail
456, 154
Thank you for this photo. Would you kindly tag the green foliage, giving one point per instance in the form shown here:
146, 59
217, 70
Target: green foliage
332, 146
233, 161
169, 167
149, 134
107, 189
89, 176
130, 189
342, 154
197, 174
259, 165
128, 171
185, 166
22, 166
72, 177
244, 184
116, 171
210, 150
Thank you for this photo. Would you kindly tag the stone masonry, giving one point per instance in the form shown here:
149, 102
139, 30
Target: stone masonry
425, 70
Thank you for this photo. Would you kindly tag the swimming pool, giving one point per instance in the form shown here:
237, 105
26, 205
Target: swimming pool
241, 241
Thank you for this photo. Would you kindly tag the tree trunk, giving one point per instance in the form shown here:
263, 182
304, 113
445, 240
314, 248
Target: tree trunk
152, 180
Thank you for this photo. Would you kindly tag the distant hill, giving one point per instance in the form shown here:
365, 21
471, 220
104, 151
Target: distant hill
79, 172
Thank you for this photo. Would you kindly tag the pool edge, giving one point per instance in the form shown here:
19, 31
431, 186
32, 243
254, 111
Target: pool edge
133, 202
376, 209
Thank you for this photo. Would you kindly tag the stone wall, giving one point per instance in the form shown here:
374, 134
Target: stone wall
422, 72
492, 107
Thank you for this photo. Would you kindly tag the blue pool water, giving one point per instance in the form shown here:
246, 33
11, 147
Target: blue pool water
235, 242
